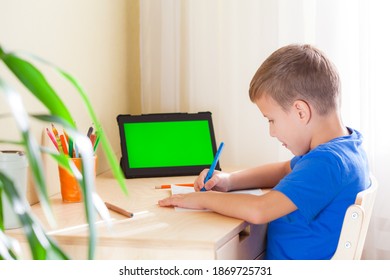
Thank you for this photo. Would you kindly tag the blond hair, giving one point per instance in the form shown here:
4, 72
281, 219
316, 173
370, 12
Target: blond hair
298, 72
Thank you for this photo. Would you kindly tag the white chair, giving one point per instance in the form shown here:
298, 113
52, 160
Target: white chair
355, 224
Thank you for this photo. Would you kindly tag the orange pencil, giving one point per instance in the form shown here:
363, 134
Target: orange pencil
169, 186
66, 136
92, 137
119, 210
63, 143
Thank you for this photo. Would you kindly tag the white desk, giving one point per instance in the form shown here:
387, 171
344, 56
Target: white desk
154, 232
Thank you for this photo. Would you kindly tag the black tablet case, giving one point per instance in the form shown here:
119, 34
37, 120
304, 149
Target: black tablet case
158, 171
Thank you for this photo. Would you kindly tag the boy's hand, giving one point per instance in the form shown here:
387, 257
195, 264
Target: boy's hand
190, 200
218, 182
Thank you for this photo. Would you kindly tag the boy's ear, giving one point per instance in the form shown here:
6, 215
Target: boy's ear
303, 110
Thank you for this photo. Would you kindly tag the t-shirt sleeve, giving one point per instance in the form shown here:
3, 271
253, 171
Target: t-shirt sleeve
312, 184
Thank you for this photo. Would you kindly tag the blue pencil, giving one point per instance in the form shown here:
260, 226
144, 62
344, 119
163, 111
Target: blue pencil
213, 165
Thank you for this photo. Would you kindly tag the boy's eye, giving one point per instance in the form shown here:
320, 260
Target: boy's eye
271, 121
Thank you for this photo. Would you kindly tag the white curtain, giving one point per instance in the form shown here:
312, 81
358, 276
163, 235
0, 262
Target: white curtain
201, 55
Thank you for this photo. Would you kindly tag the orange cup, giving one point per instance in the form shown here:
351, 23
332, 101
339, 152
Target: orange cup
70, 189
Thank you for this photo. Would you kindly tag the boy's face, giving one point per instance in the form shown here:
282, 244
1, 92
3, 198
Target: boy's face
288, 127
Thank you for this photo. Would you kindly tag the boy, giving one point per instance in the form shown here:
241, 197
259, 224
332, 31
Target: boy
298, 90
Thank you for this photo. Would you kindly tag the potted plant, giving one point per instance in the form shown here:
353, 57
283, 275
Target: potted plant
41, 245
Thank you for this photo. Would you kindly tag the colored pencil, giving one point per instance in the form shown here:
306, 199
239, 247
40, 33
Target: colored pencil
213, 165
63, 143
119, 210
90, 130
70, 147
92, 137
55, 132
97, 141
51, 136
169, 186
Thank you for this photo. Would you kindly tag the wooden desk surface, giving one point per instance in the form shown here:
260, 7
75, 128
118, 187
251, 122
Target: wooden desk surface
154, 232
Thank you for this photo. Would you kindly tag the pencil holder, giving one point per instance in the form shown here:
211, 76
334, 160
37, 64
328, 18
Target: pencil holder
70, 189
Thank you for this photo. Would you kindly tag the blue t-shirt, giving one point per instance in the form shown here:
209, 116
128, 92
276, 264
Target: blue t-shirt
322, 184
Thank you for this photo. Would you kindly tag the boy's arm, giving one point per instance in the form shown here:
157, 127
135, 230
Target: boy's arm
251, 208
264, 176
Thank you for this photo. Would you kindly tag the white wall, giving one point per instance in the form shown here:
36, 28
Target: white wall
87, 38
201, 56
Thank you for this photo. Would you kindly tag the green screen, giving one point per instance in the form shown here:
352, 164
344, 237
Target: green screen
165, 144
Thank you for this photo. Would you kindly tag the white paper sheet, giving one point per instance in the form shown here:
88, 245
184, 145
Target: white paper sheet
183, 190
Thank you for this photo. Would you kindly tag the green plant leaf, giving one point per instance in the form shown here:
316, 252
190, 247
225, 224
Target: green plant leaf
117, 171
86, 182
36, 82
7, 247
71, 167
113, 162
1, 210
42, 247
32, 148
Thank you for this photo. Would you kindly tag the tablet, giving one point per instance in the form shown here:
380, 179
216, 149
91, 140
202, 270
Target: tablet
169, 144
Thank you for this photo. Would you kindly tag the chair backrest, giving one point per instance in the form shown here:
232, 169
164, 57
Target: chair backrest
355, 224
